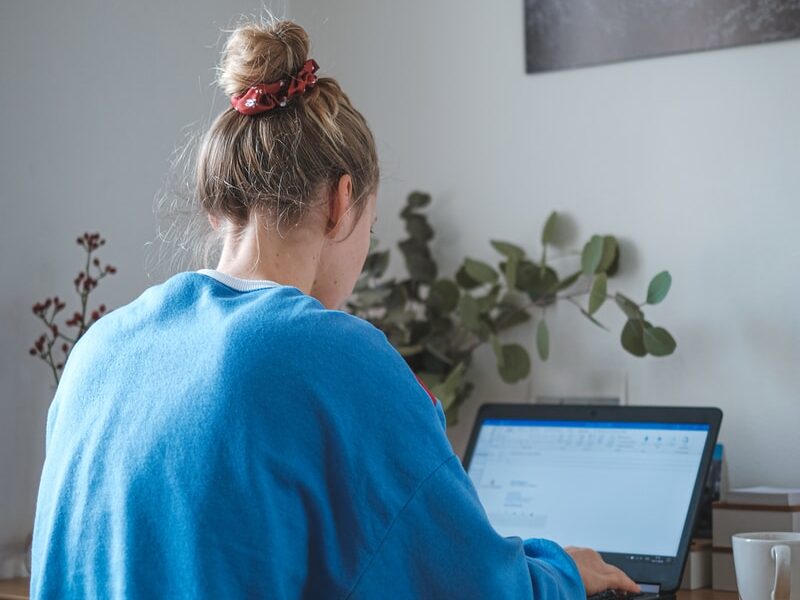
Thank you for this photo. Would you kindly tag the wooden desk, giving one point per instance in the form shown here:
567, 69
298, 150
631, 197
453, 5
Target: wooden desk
17, 589
707, 595
14, 589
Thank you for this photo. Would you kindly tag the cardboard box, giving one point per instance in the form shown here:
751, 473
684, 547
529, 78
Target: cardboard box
697, 573
723, 574
730, 519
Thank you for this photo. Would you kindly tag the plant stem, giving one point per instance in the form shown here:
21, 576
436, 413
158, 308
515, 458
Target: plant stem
85, 293
51, 361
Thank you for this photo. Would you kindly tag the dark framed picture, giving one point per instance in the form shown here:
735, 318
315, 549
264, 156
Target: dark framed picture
563, 34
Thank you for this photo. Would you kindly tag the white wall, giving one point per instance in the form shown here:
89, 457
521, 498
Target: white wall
93, 99
692, 160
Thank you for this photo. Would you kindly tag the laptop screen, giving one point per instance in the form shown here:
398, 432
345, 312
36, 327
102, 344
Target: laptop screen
617, 487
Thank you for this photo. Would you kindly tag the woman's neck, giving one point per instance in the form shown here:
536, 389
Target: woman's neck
253, 252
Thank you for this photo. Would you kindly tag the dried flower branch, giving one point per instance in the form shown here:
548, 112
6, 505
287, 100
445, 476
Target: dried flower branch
55, 344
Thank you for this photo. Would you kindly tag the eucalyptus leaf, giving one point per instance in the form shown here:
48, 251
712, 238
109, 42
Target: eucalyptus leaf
489, 301
509, 317
613, 268
659, 287
443, 296
398, 298
397, 336
508, 249
534, 282
400, 316
465, 281
418, 261
373, 297
610, 253
510, 269
418, 199
406, 351
441, 325
464, 392
361, 285
628, 306
376, 263
632, 337
516, 363
430, 379
549, 228
480, 271
598, 293
527, 275
592, 255
419, 330
543, 340
447, 390
418, 228
469, 311
658, 341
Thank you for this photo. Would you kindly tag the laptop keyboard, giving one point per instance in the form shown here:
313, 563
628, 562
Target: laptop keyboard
620, 595
614, 595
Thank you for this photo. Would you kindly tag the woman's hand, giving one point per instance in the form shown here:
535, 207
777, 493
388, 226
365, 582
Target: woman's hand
597, 574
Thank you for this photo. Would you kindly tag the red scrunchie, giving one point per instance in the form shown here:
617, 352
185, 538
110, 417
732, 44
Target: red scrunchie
266, 96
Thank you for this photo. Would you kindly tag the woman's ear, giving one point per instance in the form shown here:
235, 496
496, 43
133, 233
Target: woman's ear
340, 201
214, 221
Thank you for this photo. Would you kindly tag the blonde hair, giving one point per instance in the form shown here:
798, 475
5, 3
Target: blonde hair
279, 162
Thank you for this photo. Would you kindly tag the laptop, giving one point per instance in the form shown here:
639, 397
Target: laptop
623, 480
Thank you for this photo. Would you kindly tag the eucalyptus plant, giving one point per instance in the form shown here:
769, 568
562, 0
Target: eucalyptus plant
436, 322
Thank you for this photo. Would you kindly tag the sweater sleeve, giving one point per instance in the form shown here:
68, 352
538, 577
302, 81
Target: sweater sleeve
441, 545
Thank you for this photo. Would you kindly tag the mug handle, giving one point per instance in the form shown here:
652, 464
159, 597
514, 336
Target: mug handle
782, 555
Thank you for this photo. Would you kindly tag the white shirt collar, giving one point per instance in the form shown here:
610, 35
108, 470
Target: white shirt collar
241, 285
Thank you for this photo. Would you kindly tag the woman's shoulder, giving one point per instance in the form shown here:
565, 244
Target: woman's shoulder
330, 341
261, 317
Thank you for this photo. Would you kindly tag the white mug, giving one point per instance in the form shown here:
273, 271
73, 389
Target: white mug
767, 565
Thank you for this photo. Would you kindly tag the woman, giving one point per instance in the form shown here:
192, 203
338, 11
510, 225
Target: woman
231, 434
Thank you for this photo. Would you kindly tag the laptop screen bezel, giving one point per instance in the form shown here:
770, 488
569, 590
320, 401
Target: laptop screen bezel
666, 576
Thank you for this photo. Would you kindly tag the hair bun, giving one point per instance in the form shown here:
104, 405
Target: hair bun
262, 53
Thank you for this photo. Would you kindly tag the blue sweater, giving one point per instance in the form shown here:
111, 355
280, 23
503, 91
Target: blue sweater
210, 442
